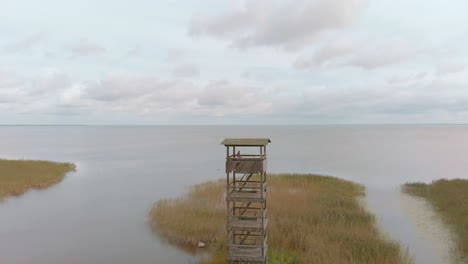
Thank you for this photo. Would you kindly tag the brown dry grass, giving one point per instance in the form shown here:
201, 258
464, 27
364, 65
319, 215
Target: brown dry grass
450, 199
17, 176
312, 219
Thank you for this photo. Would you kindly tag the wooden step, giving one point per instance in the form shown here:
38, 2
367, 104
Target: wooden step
246, 196
251, 213
246, 185
247, 253
248, 225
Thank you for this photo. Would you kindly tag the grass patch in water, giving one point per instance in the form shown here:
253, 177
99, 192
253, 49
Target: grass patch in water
450, 199
312, 219
18, 176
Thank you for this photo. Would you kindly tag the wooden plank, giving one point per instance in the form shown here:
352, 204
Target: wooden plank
248, 225
246, 165
246, 253
246, 142
243, 185
250, 213
243, 196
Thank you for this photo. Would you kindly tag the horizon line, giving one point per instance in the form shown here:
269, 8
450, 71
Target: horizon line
326, 124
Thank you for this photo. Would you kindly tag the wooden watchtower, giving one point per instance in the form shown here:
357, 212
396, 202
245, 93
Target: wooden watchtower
246, 199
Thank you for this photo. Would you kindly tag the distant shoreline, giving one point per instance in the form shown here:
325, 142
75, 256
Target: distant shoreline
226, 125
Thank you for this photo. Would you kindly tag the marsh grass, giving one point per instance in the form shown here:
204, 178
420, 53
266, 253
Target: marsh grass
17, 176
450, 199
312, 219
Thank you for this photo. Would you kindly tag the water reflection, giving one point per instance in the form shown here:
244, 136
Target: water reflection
429, 226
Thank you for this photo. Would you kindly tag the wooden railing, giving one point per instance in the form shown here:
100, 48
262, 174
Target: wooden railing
247, 157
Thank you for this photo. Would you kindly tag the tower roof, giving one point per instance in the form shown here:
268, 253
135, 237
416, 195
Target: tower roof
246, 142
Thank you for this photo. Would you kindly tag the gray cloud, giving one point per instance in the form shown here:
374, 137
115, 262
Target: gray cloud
149, 96
23, 94
223, 97
185, 71
122, 87
135, 52
291, 25
380, 104
146, 94
176, 55
11, 90
8, 79
48, 81
23, 44
407, 79
449, 68
368, 55
85, 48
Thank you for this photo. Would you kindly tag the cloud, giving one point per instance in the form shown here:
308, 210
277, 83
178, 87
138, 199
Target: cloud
407, 79
150, 95
8, 79
15, 92
11, 92
49, 80
449, 68
379, 103
134, 52
185, 71
72, 97
291, 25
85, 48
139, 95
223, 98
365, 54
176, 55
143, 94
121, 87
23, 44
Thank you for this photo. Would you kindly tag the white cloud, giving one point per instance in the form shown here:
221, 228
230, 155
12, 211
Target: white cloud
142, 94
290, 25
185, 71
23, 44
145, 95
449, 68
421, 103
366, 54
73, 96
121, 87
176, 55
85, 48
225, 98
49, 80
407, 79
134, 52
10, 88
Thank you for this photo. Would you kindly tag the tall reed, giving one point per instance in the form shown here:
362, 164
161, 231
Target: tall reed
312, 219
17, 176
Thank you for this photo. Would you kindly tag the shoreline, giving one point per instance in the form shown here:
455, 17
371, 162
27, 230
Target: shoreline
448, 199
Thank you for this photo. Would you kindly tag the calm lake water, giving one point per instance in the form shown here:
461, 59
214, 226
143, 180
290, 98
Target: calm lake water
99, 213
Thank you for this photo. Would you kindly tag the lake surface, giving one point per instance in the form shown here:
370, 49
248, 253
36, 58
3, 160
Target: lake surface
99, 213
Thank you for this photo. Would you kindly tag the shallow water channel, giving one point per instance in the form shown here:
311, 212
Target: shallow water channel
98, 214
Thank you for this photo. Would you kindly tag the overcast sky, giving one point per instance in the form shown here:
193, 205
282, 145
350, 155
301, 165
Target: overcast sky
233, 62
